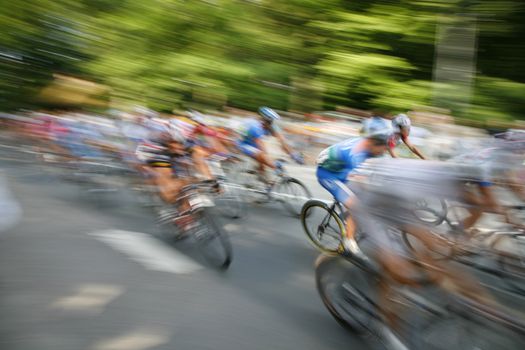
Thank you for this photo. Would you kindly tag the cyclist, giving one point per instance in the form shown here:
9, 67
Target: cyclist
401, 130
337, 162
385, 203
500, 165
203, 135
251, 143
172, 161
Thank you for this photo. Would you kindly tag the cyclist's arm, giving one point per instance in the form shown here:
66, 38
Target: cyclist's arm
391, 152
491, 204
283, 143
260, 145
412, 148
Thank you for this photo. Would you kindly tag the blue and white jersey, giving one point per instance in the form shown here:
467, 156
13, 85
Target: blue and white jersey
251, 131
342, 158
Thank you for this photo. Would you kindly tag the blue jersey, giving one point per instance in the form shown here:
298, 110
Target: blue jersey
342, 158
251, 131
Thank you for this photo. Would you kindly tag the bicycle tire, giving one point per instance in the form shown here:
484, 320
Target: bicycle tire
305, 195
330, 274
306, 213
214, 244
440, 215
413, 249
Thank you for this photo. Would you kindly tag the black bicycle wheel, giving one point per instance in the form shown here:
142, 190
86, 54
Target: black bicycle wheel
431, 211
339, 285
293, 194
213, 242
324, 228
511, 249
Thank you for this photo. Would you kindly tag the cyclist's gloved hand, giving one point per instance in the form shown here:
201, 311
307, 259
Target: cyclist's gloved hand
298, 158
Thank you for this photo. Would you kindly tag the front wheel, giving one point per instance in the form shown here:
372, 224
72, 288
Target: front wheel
213, 242
323, 226
432, 211
350, 296
293, 194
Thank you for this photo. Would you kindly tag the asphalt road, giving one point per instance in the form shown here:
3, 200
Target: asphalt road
73, 276
79, 274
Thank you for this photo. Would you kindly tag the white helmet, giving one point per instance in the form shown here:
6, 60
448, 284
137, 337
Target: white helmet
378, 129
401, 121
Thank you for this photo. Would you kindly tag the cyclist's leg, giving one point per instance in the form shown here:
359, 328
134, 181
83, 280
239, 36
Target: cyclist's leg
398, 268
478, 201
198, 156
168, 186
449, 276
256, 154
340, 191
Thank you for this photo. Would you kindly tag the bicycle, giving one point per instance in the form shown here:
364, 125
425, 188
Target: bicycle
322, 220
348, 291
228, 198
291, 192
504, 248
192, 217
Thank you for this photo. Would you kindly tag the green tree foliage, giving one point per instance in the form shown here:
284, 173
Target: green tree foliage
293, 54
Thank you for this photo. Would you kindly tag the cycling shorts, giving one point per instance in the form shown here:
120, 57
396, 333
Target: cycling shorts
247, 149
336, 184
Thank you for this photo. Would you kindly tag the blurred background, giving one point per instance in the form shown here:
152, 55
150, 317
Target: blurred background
462, 56
81, 273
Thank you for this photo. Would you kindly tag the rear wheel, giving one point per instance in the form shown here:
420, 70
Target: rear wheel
293, 194
324, 228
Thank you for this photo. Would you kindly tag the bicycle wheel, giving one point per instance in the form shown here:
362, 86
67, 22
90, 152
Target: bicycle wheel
348, 294
229, 201
251, 189
213, 242
324, 228
432, 211
333, 276
293, 194
511, 250
443, 250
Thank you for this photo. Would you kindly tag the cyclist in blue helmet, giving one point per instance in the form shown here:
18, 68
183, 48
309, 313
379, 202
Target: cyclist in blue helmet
251, 140
338, 162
